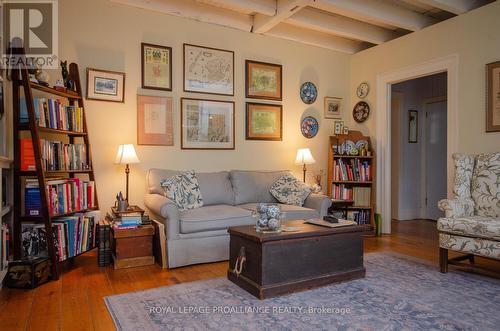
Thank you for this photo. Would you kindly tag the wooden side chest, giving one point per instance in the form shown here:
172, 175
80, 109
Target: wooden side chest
132, 247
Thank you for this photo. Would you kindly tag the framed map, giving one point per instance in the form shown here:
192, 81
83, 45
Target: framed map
156, 67
207, 124
154, 121
263, 80
493, 97
264, 121
208, 70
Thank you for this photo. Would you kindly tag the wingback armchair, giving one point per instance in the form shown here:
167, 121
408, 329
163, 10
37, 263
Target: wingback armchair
472, 218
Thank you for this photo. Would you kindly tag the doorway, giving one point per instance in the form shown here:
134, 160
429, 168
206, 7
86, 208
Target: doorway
418, 147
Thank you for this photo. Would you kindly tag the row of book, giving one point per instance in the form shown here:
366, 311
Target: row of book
103, 242
52, 113
359, 216
4, 247
352, 170
72, 236
360, 195
64, 196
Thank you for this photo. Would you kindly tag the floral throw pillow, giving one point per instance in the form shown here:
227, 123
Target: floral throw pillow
288, 190
184, 190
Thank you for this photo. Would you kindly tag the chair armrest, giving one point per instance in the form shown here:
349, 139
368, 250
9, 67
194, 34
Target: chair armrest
165, 208
458, 207
319, 202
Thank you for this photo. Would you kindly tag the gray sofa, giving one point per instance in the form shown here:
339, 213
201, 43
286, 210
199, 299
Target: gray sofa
200, 235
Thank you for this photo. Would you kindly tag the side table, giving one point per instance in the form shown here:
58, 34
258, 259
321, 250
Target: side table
132, 247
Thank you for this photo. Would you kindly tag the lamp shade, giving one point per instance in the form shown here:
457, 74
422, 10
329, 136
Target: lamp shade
126, 155
304, 156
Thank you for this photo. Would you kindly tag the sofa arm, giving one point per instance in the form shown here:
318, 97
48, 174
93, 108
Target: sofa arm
458, 207
319, 202
165, 208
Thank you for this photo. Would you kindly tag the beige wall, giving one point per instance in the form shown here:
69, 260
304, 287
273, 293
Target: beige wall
473, 37
100, 34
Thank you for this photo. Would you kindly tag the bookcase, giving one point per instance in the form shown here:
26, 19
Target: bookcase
351, 177
48, 125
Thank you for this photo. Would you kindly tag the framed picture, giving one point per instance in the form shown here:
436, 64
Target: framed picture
156, 67
345, 130
264, 121
105, 85
207, 124
338, 127
154, 121
263, 80
412, 126
493, 97
333, 107
208, 70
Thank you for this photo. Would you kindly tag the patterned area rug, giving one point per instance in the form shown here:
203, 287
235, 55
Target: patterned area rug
398, 293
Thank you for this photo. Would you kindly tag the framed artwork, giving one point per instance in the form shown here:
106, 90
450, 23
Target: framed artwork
156, 67
264, 122
412, 126
333, 107
493, 97
208, 70
338, 127
154, 121
105, 85
207, 124
346, 130
263, 80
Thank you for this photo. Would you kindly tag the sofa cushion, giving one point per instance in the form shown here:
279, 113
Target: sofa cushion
486, 185
217, 217
290, 212
473, 226
184, 190
254, 186
288, 190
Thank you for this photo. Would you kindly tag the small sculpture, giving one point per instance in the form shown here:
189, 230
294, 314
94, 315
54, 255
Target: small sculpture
68, 83
42, 77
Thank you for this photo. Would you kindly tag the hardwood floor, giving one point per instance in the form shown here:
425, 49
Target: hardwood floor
75, 301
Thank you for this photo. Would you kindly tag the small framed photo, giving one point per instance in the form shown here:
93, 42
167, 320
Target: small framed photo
207, 124
345, 130
333, 107
338, 127
493, 97
264, 121
154, 121
412, 126
105, 85
263, 80
156, 67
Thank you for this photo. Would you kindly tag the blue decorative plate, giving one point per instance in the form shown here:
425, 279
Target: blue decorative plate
309, 127
308, 92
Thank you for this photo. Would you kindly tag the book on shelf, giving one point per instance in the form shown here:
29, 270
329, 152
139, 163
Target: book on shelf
27, 154
351, 170
53, 114
103, 243
360, 195
359, 216
34, 240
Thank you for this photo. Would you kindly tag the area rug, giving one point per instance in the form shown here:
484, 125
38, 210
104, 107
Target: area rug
398, 293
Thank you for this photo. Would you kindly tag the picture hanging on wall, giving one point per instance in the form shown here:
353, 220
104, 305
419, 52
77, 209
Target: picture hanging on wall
493, 97
154, 121
263, 80
264, 121
412, 126
338, 127
333, 107
207, 124
208, 70
105, 85
156, 67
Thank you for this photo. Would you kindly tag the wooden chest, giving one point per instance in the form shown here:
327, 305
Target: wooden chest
276, 264
132, 247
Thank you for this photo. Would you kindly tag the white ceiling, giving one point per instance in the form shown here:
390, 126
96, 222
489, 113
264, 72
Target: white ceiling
347, 26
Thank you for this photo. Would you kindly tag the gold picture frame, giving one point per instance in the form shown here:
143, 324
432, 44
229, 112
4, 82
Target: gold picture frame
156, 67
493, 97
263, 80
264, 121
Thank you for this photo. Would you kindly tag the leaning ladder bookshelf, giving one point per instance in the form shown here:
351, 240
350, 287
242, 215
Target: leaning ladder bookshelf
22, 83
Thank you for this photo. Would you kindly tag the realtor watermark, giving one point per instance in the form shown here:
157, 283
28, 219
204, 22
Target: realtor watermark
225, 310
32, 24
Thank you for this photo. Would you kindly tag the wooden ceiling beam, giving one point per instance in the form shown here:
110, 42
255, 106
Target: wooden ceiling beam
284, 9
265, 7
456, 7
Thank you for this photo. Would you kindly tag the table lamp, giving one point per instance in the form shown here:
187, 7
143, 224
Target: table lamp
126, 155
304, 157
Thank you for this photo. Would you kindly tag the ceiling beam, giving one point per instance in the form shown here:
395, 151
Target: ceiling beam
284, 9
453, 6
266, 7
196, 11
319, 39
376, 12
341, 26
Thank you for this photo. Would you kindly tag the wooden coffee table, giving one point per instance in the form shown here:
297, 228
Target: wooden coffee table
280, 263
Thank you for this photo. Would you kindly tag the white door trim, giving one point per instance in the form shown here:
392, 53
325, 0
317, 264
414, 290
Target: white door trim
447, 64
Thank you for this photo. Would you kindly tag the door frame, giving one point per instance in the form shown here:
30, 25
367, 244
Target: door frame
447, 64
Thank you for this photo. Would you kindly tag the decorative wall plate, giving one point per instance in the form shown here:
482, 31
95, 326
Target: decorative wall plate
308, 93
348, 146
309, 127
361, 111
363, 90
360, 144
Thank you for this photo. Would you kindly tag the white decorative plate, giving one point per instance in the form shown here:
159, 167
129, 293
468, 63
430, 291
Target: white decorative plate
360, 144
347, 146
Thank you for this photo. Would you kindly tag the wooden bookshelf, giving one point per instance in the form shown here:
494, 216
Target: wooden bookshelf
338, 140
22, 84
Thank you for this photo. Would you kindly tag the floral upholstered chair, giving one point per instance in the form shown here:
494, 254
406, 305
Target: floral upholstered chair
472, 218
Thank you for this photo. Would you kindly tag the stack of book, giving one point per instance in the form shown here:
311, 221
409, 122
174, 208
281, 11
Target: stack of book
129, 219
104, 247
51, 113
351, 170
359, 216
